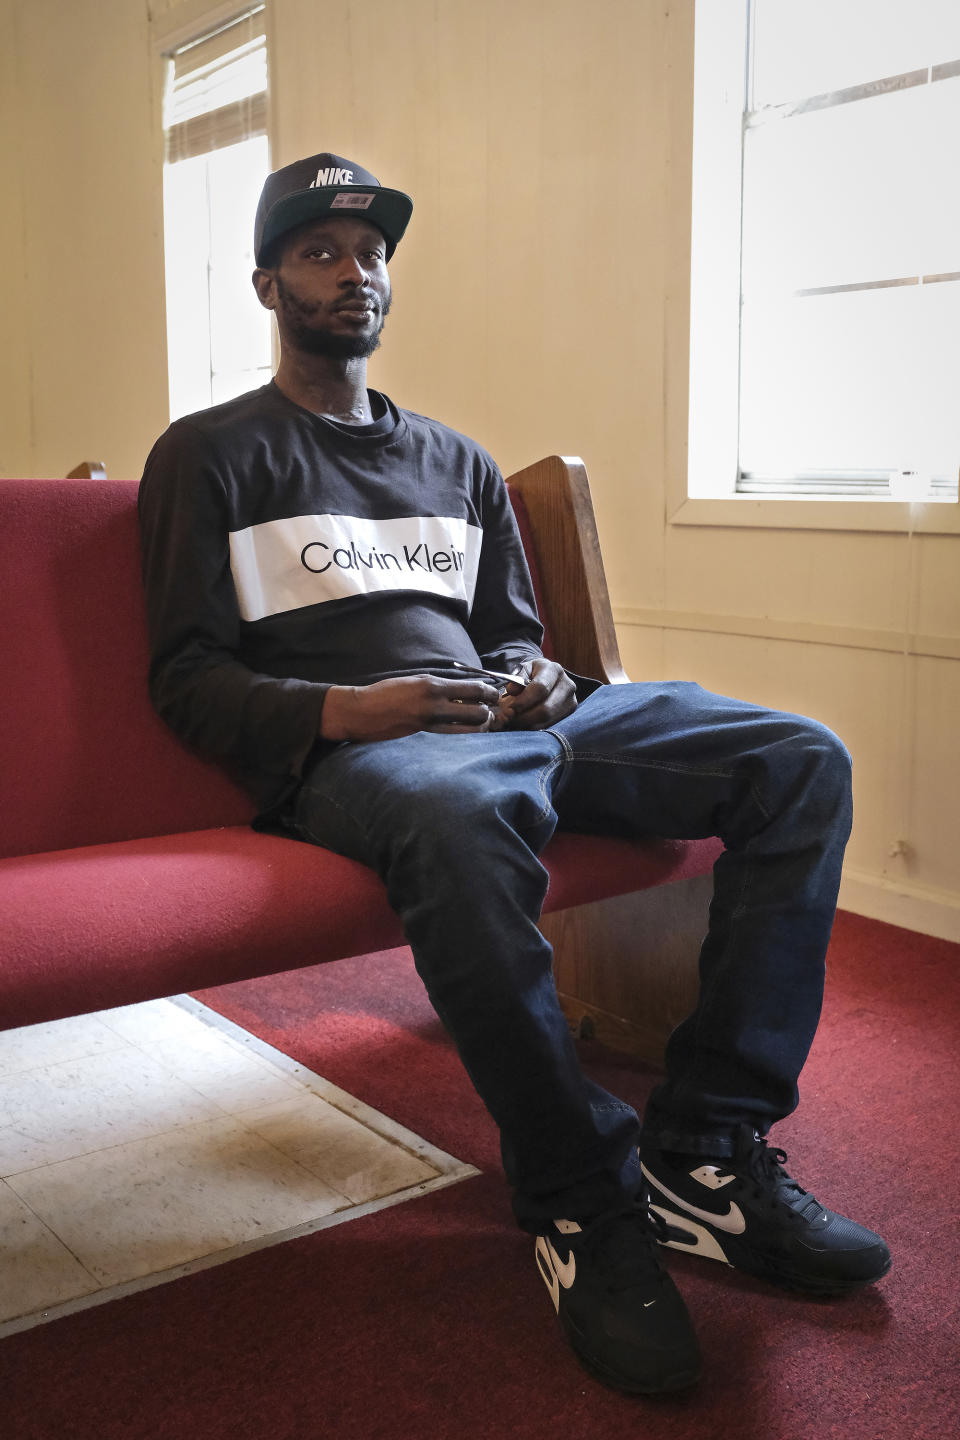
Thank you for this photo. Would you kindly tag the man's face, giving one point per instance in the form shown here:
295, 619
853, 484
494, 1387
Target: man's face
329, 288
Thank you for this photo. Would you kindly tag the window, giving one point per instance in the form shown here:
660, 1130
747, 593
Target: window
826, 249
215, 127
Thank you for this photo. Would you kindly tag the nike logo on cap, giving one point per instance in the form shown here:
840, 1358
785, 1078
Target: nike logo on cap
333, 175
732, 1222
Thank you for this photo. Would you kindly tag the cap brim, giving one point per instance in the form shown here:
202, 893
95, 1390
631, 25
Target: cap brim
389, 210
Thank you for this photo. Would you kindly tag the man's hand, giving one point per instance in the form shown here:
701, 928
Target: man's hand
391, 708
547, 697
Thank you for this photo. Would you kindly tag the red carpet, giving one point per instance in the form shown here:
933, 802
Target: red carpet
429, 1320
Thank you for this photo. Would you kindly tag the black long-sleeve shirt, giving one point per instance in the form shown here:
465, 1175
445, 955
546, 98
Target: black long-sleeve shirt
284, 553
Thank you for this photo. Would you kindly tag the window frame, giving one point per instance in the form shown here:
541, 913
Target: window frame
705, 261
187, 23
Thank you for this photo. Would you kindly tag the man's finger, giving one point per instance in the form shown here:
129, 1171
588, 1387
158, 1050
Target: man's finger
461, 714
442, 724
467, 692
532, 695
548, 698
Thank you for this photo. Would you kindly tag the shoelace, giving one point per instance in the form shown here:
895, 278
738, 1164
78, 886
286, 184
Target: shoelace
764, 1166
626, 1240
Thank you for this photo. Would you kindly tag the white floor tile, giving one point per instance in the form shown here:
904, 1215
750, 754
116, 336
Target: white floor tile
152, 1138
30, 1047
150, 1022
153, 1204
355, 1160
60, 1111
211, 1064
36, 1269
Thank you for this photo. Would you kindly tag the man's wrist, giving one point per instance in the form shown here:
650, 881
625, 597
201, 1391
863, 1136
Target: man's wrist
335, 715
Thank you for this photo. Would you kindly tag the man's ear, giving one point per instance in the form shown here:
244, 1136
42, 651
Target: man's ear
265, 284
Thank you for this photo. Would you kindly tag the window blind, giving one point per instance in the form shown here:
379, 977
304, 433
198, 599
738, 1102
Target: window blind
216, 92
850, 287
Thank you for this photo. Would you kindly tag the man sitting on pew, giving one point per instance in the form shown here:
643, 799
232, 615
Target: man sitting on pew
340, 608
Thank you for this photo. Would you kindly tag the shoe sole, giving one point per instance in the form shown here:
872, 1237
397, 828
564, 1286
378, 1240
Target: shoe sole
628, 1384
692, 1239
667, 1386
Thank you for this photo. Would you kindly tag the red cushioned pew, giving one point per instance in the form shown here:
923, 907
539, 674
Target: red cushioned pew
128, 869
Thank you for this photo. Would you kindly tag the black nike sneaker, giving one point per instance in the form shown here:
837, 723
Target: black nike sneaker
749, 1213
620, 1310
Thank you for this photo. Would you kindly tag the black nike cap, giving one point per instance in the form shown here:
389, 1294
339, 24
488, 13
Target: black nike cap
326, 185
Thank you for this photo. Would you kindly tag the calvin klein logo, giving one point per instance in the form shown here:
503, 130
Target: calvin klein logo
299, 560
333, 175
317, 557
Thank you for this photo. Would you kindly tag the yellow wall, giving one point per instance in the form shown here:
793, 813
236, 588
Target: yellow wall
541, 305
84, 363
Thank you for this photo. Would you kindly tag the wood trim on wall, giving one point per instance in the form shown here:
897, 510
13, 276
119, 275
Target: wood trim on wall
809, 632
837, 513
904, 902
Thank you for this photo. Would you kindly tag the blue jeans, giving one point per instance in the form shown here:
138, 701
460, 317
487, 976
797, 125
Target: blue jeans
454, 824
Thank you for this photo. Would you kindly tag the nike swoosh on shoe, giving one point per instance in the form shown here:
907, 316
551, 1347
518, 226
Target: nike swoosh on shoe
565, 1270
732, 1222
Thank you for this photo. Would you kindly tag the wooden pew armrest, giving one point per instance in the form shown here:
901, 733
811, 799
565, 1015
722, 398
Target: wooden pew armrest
556, 494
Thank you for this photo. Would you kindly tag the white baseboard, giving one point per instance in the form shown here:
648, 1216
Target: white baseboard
915, 907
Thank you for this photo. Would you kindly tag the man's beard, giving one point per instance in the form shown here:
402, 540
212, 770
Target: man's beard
304, 335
